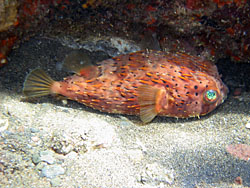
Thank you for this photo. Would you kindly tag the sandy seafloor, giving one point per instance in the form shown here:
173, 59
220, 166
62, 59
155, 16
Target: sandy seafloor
49, 142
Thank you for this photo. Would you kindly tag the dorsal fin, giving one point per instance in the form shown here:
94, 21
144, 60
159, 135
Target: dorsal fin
79, 62
149, 101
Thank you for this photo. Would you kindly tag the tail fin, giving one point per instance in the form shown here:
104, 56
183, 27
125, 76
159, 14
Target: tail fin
37, 84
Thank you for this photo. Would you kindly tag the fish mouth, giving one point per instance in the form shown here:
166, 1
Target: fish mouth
225, 92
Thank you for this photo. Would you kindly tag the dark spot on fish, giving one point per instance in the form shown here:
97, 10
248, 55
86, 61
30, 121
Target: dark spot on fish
196, 94
187, 93
178, 95
200, 82
195, 87
167, 85
196, 102
176, 84
206, 86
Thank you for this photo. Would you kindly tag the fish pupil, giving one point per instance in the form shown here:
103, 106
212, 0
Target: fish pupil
210, 96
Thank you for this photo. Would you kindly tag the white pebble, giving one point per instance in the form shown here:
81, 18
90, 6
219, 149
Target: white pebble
135, 155
52, 171
4, 123
248, 125
47, 156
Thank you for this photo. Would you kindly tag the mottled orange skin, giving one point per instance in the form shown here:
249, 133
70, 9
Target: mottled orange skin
182, 80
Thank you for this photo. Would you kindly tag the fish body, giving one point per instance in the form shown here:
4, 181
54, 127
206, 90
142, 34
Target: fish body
145, 83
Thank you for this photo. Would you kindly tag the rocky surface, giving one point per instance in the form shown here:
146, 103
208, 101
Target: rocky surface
213, 29
48, 142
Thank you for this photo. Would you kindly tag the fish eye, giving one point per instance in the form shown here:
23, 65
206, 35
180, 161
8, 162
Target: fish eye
210, 96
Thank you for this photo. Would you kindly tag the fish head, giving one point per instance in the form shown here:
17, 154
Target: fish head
194, 98
214, 94
205, 94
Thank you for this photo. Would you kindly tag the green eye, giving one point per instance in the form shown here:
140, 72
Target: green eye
210, 96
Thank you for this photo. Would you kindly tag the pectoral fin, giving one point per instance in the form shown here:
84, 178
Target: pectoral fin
149, 100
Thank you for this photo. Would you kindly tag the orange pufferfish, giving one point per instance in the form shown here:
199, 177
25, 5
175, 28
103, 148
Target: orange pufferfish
145, 83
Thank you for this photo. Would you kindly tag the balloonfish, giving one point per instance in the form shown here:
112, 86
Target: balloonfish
145, 83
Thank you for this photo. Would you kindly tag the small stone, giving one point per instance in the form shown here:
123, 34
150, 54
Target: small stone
241, 151
61, 146
237, 92
35, 138
40, 165
51, 171
21, 129
156, 174
36, 158
2, 167
55, 182
59, 66
135, 155
3, 61
47, 156
4, 123
65, 102
238, 180
125, 123
34, 130
72, 155
248, 125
